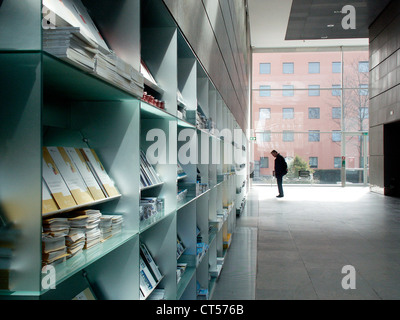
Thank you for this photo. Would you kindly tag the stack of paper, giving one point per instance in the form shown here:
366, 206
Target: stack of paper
54, 249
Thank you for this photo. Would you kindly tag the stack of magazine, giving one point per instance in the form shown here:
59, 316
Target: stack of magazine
148, 175
71, 35
67, 43
150, 274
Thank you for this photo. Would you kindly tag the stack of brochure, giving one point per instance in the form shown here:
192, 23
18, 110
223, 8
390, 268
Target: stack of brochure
105, 227
148, 176
117, 223
54, 249
87, 221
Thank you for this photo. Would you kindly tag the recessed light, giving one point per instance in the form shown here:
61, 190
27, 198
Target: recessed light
330, 25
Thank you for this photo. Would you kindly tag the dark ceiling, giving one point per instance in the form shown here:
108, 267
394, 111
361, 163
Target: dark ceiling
309, 19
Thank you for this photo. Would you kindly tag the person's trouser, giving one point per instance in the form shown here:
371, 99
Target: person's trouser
279, 182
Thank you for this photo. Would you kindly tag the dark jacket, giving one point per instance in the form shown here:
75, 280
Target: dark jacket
280, 166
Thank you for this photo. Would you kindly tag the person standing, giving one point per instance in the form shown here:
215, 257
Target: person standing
280, 171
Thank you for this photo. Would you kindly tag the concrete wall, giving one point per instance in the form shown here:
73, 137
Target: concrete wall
217, 31
384, 86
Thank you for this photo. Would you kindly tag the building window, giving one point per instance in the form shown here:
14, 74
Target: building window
313, 67
336, 136
288, 113
313, 135
265, 91
337, 162
263, 136
336, 90
363, 91
363, 66
265, 68
288, 67
265, 113
313, 162
264, 162
336, 67
313, 90
336, 113
288, 136
313, 113
288, 91
364, 113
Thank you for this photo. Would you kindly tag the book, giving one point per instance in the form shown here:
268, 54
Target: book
71, 175
149, 276
48, 203
55, 182
148, 175
150, 262
98, 171
87, 175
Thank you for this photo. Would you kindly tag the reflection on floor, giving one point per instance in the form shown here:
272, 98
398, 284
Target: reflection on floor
296, 247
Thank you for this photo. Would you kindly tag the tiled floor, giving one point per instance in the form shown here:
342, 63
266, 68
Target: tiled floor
296, 247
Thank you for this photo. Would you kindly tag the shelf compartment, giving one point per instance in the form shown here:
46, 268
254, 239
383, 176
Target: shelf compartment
77, 84
70, 267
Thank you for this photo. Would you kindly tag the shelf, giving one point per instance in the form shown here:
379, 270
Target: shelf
148, 111
147, 224
152, 186
78, 207
76, 84
185, 279
151, 291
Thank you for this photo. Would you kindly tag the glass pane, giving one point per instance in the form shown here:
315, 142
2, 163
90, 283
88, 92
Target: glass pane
321, 159
20, 171
20, 25
355, 110
355, 157
297, 65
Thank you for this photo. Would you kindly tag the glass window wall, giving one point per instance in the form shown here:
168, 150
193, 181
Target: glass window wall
318, 119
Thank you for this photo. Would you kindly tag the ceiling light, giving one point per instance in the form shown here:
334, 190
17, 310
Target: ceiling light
330, 25
324, 37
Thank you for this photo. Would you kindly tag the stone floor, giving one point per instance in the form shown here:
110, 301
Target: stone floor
295, 248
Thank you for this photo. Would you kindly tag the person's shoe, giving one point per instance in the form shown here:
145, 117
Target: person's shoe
279, 196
